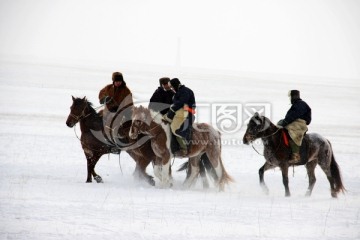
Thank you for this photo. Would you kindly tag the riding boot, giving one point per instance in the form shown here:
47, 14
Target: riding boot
183, 147
295, 155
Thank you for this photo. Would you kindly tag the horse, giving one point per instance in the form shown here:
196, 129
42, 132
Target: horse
315, 150
95, 143
205, 140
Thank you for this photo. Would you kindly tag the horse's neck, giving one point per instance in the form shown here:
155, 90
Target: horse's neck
271, 136
154, 128
91, 121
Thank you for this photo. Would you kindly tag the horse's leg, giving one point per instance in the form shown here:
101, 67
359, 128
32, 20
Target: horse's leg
140, 173
162, 171
90, 167
285, 177
203, 175
194, 172
326, 168
92, 159
214, 155
262, 170
141, 164
157, 168
310, 168
97, 177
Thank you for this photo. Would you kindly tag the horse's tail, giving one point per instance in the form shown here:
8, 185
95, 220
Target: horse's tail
225, 178
335, 173
205, 161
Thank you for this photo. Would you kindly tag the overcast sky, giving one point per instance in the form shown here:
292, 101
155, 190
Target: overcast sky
316, 38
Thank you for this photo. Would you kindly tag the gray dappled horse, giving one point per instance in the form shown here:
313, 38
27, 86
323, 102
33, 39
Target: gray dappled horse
315, 150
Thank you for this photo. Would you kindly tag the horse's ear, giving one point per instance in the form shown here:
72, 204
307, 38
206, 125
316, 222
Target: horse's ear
256, 118
84, 98
73, 98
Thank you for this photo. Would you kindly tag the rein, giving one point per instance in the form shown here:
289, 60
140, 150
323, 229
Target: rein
82, 116
268, 137
157, 125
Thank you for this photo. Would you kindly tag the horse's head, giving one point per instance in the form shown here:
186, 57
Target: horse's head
77, 111
256, 128
141, 120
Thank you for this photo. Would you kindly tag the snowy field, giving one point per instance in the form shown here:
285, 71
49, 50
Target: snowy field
43, 194
243, 53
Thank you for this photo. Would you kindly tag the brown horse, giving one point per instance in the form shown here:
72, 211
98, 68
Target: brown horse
315, 150
205, 140
95, 144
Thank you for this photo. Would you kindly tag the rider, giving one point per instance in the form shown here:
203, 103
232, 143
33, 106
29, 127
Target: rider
181, 114
296, 119
162, 98
117, 97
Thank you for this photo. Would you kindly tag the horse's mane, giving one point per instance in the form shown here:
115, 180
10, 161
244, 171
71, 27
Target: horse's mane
90, 106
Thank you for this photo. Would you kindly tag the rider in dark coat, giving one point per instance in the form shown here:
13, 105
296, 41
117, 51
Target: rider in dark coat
162, 98
181, 114
295, 121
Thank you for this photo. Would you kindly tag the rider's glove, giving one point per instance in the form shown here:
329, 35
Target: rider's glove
170, 114
105, 99
282, 123
166, 120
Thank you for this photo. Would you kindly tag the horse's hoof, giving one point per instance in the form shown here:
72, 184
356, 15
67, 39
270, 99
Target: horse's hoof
88, 181
98, 179
265, 189
308, 194
151, 181
287, 195
334, 195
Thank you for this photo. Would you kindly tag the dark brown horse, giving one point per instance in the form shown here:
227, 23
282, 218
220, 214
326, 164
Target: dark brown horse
205, 140
315, 150
95, 143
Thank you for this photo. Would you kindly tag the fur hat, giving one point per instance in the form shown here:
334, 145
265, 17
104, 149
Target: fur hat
294, 95
117, 76
175, 83
164, 80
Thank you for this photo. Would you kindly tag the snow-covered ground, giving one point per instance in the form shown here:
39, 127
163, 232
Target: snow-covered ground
43, 194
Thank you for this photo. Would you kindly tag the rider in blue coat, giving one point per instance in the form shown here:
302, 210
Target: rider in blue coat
296, 120
181, 114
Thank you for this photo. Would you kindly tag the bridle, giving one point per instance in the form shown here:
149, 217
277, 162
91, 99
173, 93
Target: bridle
267, 136
149, 130
81, 116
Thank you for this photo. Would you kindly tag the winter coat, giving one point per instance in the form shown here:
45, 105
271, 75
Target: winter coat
182, 111
121, 97
299, 109
184, 96
297, 130
161, 100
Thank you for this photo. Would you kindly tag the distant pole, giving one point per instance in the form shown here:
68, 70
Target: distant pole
178, 56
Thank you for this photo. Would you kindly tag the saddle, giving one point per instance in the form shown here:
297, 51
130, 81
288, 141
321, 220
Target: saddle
304, 148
